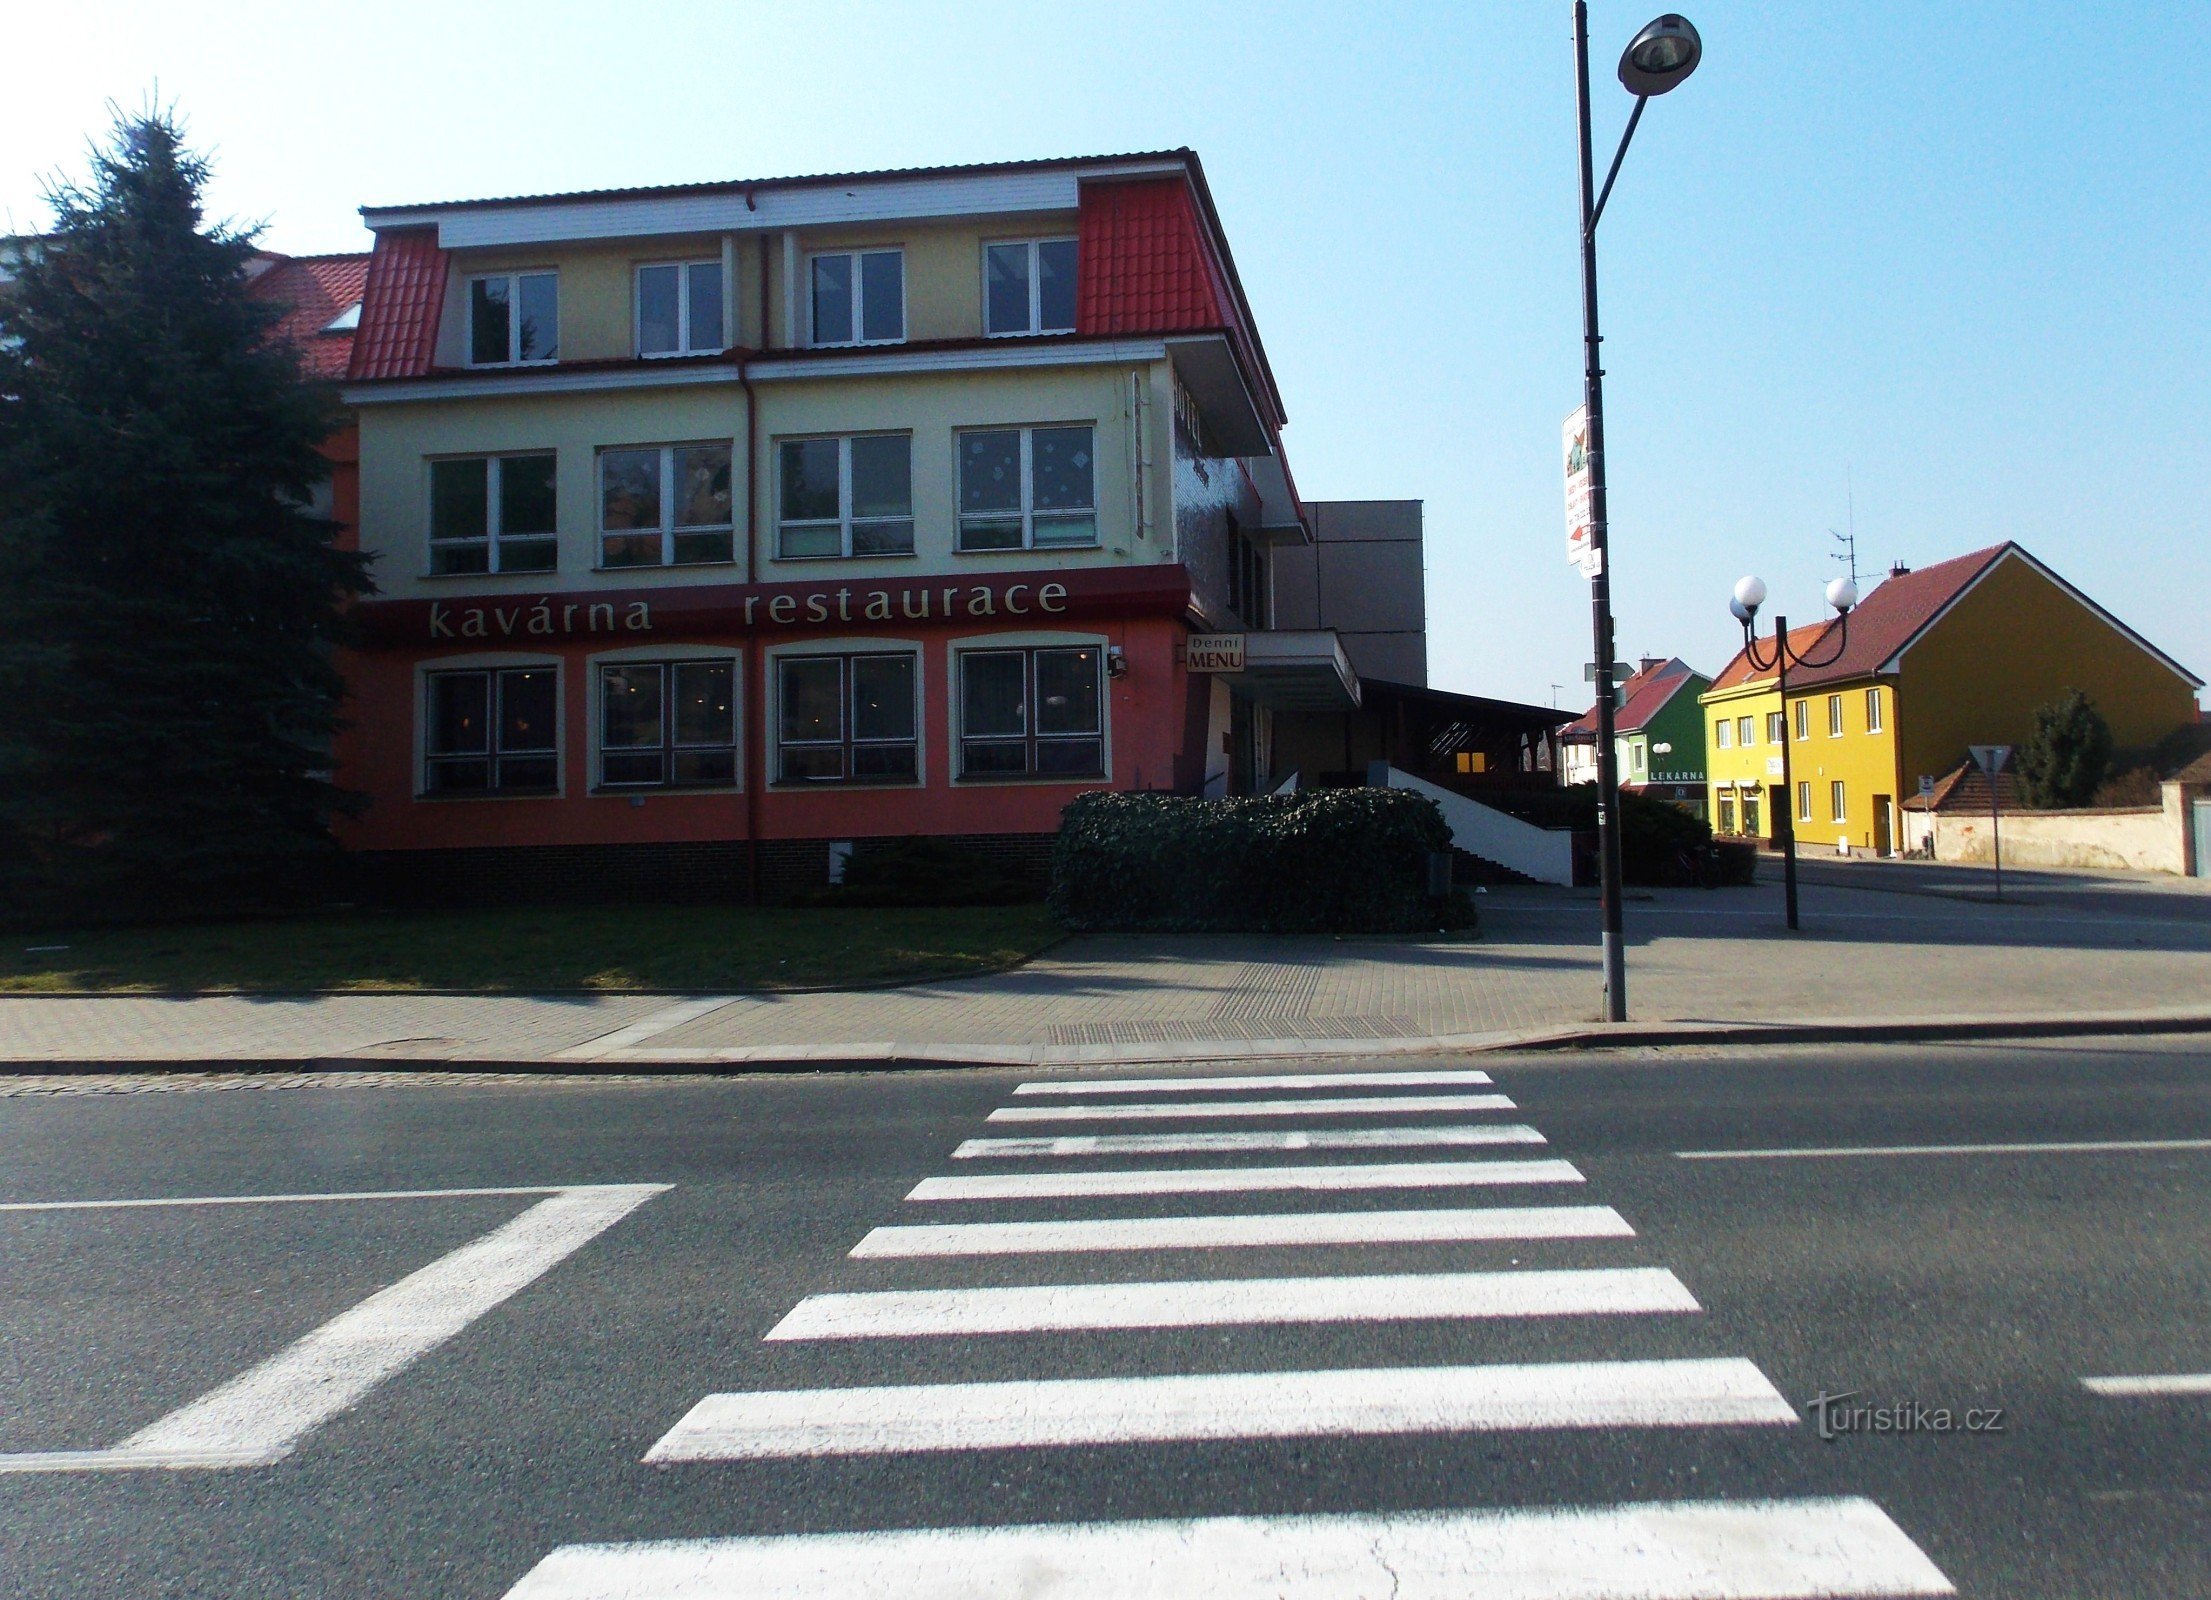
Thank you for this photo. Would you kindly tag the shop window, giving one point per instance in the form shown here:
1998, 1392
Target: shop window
845, 497
513, 319
492, 732
1837, 810
847, 719
492, 514
1873, 711
665, 505
668, 725
1750, 813
858, 297
1029, 287
679, 308
1727, 813
1031, 713
1027, 488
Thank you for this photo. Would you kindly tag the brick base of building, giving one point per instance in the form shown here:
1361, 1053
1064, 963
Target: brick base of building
704, 873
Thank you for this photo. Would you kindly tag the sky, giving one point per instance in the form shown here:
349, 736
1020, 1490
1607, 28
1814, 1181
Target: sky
1937, 272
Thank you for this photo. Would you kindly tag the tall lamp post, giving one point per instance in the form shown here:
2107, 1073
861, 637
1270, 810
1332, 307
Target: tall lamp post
1750, 594
1656, 59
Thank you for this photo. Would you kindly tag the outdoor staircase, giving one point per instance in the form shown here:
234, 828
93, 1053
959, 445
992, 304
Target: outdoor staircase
1531, 854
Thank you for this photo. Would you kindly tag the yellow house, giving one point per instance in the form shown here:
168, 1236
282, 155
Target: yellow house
1959, 653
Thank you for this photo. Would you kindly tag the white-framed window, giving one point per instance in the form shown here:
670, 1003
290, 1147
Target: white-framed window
665, 505
1803, 802
848, 717
491, 730
1032, 712
1837, 809
513, 318
1873, 710
1834, 716
679, 308
845, 495
1028, 488
1727, 813
1803, 731
493, 514
1745, 732
857, 296
1723, 733
1635, 757
668, 724
1029, 287
1773, 727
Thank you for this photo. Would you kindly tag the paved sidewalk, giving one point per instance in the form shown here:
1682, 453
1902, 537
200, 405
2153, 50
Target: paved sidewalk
2062, 947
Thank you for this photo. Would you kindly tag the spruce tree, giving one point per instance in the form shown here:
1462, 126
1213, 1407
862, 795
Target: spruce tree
2067, 755
167, 601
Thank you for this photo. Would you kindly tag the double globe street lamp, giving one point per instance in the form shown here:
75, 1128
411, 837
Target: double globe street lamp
1778, 658
1656, 60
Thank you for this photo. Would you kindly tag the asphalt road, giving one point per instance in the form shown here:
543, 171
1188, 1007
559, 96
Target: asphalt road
504, 1411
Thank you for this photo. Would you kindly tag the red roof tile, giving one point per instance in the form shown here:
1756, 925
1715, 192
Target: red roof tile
400, 304
1642, 697
1142, 265
315, 290
1884, 622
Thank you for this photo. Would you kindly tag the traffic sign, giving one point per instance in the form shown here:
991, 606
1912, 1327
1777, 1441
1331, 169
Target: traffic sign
1990, 758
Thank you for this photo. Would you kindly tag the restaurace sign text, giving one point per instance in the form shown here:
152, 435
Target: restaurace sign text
552, 617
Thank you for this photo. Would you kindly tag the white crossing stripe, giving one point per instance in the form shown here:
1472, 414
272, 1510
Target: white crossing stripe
2152, 1384
1244, 1232
2046, 1147
1378, 1297
1237, 1405
258, 1417
1825, 1549
1130, 1144
1295, 1080
1373, 1175
1176, 1111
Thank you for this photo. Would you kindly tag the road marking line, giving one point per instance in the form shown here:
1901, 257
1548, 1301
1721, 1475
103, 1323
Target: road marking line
281, 1199
2152, 1384
1239, 1405
1176, 1111
1298, 1080
644, 1028
1103, 1144
1244, 1232
259, 1417
1224, 1302
2050, 1147
1374, 1175
1840, 1549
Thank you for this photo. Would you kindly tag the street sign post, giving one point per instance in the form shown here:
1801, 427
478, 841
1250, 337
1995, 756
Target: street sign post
1990, 758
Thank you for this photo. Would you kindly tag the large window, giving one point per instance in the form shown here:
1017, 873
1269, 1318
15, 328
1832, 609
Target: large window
668, 725
492, 514
858, 297
493, 732
513, 317
1029, 287
1873, 711
665, 505
1031, 713
1727, 813
1750, 813
679, 308
846, 719
1027, 488
845, 497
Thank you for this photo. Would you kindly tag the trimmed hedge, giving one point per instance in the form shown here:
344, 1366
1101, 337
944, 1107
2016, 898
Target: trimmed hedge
1662, 846
1323, 861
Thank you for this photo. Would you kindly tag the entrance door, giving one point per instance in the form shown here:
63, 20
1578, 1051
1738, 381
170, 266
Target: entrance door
1750, 813
1883, 845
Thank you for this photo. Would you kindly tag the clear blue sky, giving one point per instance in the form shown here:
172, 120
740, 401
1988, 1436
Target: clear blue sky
1951, 255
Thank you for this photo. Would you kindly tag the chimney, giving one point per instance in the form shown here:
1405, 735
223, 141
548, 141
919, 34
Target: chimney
1651, 663
1897, 569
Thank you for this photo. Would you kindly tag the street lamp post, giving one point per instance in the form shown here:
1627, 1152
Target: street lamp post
1656, 59
1750, 594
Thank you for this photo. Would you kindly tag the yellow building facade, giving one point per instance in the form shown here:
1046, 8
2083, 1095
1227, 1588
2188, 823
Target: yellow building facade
1956, 654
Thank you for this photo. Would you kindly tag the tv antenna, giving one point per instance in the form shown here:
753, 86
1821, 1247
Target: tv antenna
1848, 554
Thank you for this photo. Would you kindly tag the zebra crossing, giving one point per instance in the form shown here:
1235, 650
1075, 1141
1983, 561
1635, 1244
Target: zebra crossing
1158, 1275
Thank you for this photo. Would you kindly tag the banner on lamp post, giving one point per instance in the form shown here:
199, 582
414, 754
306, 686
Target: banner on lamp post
1581, 549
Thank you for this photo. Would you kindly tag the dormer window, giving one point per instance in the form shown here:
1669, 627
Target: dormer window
679, 309
513, 318
858, 296
1029, 287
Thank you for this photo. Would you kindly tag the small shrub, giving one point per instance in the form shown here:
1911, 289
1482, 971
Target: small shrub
1326, 860
2135, 787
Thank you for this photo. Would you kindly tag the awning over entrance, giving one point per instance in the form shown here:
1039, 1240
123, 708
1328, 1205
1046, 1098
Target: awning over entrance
1296, 670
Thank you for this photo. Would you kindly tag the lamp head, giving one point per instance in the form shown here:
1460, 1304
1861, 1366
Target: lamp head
1750, 594
1842, 594
1658, 58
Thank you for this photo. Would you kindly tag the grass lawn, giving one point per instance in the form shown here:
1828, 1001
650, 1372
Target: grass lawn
705, 948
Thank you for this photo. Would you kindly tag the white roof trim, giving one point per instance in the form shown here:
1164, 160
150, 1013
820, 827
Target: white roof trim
760, 208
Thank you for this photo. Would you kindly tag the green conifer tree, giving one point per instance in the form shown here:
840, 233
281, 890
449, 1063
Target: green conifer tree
167, 600
2067, 755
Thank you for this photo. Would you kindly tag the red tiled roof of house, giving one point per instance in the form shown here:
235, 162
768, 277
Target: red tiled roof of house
1642, 697
1965, 788
1884, 622
315, 290
400, 303
1143, 267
